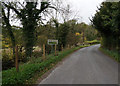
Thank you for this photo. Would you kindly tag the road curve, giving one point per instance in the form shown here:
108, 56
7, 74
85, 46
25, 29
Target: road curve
85, 66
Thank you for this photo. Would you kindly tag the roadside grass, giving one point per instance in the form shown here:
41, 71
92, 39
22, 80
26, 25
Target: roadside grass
93, 42
35, 66
113, 54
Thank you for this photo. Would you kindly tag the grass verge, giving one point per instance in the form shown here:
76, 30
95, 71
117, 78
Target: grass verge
28, 70
93, 42
113, 54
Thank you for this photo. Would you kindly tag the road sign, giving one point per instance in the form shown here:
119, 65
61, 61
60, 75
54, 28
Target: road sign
52, 42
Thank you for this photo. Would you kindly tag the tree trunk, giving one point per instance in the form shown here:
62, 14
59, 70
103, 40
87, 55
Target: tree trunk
29, 37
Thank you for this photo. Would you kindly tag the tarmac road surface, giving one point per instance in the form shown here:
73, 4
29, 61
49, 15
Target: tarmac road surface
85, 66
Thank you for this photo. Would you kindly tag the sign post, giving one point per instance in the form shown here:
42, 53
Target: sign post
43, 51
61, 47
53, 42
55, 50
68, 46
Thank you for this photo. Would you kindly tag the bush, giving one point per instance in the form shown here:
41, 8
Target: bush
36, 54
7, 60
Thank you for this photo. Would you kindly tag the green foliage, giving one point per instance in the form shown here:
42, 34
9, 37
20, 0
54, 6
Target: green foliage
18, 36
63, 31
72, 39
114, 54
28, 70
91, 33
29, 16
7, 59
6, 42
106, 22
93, 42
44, 33
37, 54
8, 28
42, 39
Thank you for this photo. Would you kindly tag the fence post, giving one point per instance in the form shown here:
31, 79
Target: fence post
61, 47
16, 59
43, 51
55, 50
68, 46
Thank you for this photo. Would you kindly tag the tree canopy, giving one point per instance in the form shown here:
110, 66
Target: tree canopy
106, 21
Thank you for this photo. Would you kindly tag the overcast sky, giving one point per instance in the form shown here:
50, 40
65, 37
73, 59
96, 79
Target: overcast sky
85, 8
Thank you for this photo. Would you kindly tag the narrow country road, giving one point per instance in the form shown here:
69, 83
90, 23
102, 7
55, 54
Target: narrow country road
85, 66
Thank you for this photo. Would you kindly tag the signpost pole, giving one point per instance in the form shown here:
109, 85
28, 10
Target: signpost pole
55, 49
53, 43
68, 46
61, 47
43, 51
52, 49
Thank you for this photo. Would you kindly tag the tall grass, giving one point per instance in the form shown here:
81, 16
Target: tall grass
112, 53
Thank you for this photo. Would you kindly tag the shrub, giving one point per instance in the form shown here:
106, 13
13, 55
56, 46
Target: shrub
36, 54
7, 60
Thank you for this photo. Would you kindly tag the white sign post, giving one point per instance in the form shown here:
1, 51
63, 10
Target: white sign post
53, 42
